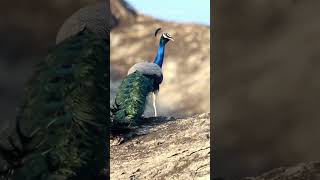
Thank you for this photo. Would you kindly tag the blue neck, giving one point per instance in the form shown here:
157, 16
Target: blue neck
160, 55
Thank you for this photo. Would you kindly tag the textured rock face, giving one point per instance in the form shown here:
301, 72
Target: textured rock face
122, 12
187, 61
164, 148
303, 171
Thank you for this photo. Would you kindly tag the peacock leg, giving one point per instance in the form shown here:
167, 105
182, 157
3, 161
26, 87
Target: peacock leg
154, 103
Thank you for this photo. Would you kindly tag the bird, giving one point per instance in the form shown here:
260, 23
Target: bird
142, 79
61, 127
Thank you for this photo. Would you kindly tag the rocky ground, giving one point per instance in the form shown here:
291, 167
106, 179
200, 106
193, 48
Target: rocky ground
164, 148
303, 171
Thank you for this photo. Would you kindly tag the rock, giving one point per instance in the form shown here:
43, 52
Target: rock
164, 149
122, 12
303, 171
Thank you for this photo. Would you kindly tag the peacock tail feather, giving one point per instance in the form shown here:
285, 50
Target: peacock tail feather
62, 125
131, 99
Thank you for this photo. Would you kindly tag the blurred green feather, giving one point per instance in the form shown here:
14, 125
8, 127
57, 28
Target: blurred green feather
66, 101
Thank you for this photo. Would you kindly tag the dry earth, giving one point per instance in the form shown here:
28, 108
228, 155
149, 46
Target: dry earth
303, 171
164, 148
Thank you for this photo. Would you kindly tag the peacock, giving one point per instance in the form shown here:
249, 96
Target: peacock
62, 124
141, 80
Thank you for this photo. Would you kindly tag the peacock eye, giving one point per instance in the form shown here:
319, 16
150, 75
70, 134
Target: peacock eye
166, 35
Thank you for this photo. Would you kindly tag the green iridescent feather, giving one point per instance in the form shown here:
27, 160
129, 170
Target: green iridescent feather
131, 99
65, 107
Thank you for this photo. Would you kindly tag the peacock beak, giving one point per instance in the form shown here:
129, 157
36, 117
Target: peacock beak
170, 38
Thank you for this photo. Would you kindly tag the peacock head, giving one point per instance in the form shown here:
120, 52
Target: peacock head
165, 37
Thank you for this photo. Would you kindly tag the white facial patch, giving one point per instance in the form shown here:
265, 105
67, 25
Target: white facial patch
167, 36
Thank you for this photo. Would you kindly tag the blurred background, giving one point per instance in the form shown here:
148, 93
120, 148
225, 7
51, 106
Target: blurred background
186, 86
27, 31
179, 11
266, 85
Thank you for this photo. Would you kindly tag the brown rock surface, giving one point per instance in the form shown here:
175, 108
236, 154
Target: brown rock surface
165, 148
303, 171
